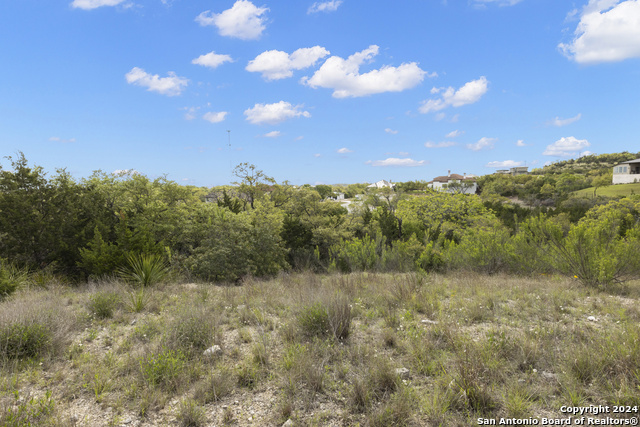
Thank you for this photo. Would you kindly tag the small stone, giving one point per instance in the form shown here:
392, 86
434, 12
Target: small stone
549, 375
213, 351
402, 373
429, 322
592, 319
133, 322
288, 423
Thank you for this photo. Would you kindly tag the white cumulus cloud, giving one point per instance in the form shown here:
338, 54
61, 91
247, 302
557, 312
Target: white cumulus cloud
344, 150
272, 134
276, 64
274, 113
566, 147
93, 4
483, 143
212, 60
470, 93
608, 31
520, 143
391, 131
215, 117
443, 144
170, 86
327, 6
394, 161
343, 76
503, 164
244, 20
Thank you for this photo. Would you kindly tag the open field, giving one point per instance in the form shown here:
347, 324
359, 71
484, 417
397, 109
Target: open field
610, 191
358, 349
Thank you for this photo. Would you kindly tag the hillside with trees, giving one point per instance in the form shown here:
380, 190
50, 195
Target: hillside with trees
125, 299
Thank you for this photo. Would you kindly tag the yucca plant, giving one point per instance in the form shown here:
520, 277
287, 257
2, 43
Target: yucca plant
11, 278
145, 269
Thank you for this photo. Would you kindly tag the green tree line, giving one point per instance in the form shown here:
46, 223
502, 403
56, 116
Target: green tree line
258, 227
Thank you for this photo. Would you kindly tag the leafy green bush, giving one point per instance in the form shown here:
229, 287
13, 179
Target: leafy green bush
600, 249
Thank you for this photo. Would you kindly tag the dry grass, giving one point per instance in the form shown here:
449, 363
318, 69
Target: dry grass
302, 344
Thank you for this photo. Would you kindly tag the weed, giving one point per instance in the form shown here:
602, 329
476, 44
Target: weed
27, 411
216, 386
190, 414
137, 300
103, 304
164, 369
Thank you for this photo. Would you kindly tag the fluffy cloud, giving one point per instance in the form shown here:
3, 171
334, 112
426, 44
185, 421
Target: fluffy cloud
93, 4
344, 150
216, 117
274, 113
444, 144
504, 164
170, 86
563, 122
327, 6
391, 131
609, 31
470, 93
212, 60
483, 143
520, 143
272, 134
343, 76
275, 64
566, 147
454, 134
244, 20
393, 161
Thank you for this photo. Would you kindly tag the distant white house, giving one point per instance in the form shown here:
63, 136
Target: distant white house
443, 183
627, 172
381, 184
518, 170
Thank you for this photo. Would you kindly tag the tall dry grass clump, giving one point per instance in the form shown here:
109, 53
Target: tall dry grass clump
34, 325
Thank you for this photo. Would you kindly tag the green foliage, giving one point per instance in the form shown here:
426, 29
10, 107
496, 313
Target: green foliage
103, 304
331, 317
222, 246
485, 249
164, 369
600, 249
28, 411
324, 191
11, 278
145, 269
24, 340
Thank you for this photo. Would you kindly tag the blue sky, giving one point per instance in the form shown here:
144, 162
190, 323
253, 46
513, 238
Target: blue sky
316, 92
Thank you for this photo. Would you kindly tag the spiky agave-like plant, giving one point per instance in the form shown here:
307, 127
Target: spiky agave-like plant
145, 269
